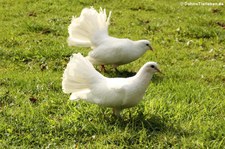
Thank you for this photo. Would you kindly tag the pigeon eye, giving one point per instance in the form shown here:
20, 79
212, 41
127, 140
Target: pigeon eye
152, 66
147, 44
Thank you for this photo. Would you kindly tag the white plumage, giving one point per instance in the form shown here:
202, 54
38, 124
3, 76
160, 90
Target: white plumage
84, 82
90, 29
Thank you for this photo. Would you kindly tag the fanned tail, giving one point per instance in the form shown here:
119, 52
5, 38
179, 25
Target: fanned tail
88, 29
78, 76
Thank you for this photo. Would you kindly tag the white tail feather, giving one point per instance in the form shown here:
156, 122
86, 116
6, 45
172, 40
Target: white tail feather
89, 29
79, 75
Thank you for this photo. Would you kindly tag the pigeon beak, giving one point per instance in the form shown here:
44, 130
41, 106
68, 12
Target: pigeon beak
158, 70
150, 48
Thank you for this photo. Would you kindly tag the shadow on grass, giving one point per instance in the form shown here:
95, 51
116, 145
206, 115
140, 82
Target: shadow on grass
125, 74
119, 74
153, 124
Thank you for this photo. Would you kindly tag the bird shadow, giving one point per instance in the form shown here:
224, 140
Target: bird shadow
153, 125
121, 74
114, 73
125, 74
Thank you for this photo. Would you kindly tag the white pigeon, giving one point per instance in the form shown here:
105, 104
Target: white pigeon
83, 82
91, 30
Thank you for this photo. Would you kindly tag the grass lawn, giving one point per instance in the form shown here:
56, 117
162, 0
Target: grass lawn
184, 108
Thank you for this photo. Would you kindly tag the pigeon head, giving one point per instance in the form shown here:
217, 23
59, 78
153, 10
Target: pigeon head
151, 67
145, 44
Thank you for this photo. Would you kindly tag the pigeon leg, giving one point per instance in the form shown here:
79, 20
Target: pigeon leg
115, 67
116, 112
103, 68
130, 115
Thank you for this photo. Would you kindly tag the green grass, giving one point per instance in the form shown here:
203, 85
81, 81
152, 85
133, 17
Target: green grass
184, 108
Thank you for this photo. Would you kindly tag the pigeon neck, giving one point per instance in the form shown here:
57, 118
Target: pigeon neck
144, 76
